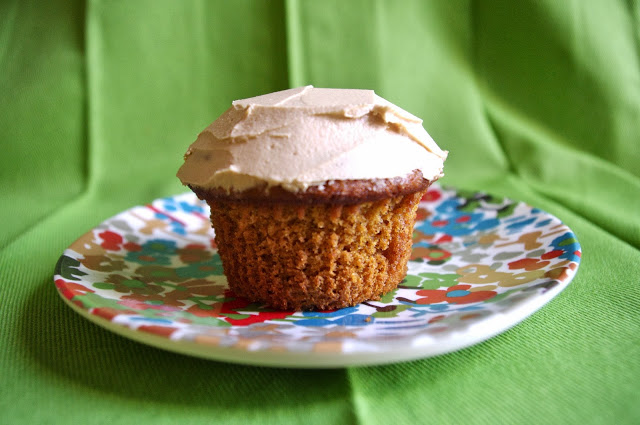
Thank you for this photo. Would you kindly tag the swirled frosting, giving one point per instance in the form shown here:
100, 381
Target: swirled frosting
307, 136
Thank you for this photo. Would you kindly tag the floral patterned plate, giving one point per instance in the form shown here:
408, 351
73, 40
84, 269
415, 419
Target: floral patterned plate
480, 264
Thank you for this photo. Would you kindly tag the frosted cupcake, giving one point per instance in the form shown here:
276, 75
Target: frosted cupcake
313, 194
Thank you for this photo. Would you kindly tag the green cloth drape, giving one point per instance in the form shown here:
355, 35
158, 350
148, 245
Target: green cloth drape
535, 100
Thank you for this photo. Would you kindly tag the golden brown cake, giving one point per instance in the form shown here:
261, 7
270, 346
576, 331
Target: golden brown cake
313, 194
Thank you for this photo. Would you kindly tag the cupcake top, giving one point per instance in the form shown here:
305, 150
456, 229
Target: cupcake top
307, 136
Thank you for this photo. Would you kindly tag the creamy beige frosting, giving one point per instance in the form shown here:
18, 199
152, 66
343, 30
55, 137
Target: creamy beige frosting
307, 136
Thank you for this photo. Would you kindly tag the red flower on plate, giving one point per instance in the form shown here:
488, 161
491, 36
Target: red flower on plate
111, 241
71, 289
432, 195
458, 294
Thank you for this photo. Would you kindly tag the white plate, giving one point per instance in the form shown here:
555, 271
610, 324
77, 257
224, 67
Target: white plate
480, 265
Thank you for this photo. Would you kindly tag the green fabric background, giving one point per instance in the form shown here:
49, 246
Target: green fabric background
536, 100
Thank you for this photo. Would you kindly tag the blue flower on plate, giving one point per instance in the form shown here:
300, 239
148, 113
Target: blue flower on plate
568, 243
172, 204
174, 226
419, 310
516, 226
342, 317
450, 220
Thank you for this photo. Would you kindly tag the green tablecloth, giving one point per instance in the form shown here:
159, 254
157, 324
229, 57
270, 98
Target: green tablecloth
535, 100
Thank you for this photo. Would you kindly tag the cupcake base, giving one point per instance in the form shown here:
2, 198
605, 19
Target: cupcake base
295, 256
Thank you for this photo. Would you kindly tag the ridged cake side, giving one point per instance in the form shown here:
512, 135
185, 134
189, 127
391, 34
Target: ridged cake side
318, 256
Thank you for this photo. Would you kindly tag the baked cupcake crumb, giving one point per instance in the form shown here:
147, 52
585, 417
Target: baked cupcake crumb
296, 257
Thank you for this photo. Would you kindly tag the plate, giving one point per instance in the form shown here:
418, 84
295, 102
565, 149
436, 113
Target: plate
480, 264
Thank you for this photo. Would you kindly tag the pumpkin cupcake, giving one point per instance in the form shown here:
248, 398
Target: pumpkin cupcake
313, 194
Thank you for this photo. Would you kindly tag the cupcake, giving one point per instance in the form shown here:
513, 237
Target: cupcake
313, 194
